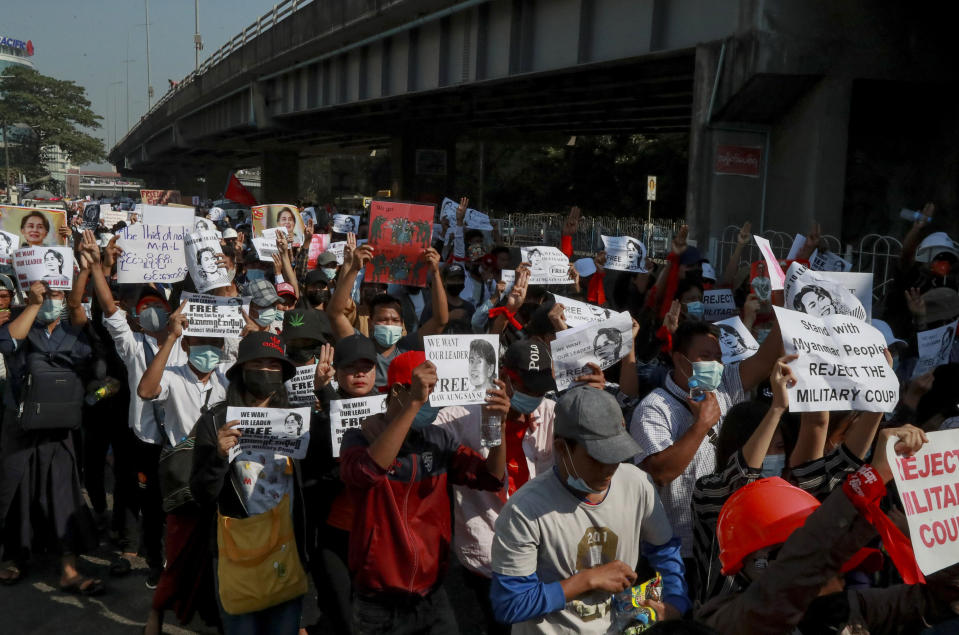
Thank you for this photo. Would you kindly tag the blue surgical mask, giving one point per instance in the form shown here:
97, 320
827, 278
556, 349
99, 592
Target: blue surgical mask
523, 403
706, 375
387, 334
695, 310
204, 357
576, 482
153, 318
278, 316
330, 273
773, 465
50, 310
265, 317
255, 274
425, 416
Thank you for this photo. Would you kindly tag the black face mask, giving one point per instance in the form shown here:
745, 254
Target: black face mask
304, 354
317, 298
262, 383
455, 289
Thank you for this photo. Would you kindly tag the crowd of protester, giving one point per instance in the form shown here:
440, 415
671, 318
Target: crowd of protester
749, 517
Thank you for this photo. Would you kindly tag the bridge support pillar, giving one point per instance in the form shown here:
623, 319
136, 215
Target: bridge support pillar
423, 168
281, 177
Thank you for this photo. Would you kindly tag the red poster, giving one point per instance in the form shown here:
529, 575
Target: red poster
741, 160
399, 233
318, 244
160, 197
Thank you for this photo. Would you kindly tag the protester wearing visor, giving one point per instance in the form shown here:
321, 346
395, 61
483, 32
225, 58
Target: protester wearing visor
527, 370
397, 468
569, 539
788, 553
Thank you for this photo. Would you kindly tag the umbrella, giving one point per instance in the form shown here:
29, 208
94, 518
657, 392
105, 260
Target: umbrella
38, 194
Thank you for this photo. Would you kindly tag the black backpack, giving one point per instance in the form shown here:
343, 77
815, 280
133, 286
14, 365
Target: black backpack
52, 394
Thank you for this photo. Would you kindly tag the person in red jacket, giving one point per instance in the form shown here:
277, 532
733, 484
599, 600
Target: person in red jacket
397, 467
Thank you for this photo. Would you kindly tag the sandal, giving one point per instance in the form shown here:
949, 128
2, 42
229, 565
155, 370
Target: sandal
82, 585
11, 574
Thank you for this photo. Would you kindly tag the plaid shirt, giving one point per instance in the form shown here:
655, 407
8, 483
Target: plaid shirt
661, 419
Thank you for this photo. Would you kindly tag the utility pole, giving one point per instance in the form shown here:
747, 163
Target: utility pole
197, 40
146, 7
127, 63
116, 110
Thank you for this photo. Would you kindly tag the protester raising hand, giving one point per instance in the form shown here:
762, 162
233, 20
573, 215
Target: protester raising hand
571, 224
812, 242
461, 210
324, 368
917, 306
557, 317
745, 234
517, 294
751, 310
908, 440
679, 243
671, 321
780, 379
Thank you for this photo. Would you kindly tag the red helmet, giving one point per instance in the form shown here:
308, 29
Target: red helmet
764, 514
760, 515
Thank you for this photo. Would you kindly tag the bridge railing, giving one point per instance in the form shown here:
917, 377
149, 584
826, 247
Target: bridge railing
268, 20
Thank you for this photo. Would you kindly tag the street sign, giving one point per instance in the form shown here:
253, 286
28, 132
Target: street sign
650, 188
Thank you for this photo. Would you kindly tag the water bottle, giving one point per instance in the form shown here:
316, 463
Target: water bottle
491, 433
910, 215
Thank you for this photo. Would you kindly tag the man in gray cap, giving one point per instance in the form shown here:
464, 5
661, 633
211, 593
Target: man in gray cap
569, 539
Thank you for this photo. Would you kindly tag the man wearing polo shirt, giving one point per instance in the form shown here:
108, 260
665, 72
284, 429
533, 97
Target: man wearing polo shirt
185, 392
386, 318
527, 369
675, 432
569, 539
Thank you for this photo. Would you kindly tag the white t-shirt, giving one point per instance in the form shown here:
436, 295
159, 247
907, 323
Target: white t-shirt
183, 396
545, 529
264, 479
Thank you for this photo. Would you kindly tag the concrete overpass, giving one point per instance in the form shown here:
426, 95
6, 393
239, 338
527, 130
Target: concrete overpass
765, 90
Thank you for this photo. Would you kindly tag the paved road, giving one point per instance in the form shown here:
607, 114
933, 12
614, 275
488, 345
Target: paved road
36, 605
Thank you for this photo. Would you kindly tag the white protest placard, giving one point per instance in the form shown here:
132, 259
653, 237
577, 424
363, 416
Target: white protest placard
53, 265
798, 243
201, 224
578, 313
624, 253
151, 253
299, 389
735, 340
934, 347
718, 304
202, 249
346, 224
466, 366
828, 261
818, 294
841, 364
213, 315
283, 431
265, 245
474, 219
337, 249
111, 217
548, 265
350, 413
776, 276
165, 215
928, 484
8, 244
602, 343
90, 217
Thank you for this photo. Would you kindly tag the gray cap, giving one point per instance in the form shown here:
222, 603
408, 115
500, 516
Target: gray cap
593, 418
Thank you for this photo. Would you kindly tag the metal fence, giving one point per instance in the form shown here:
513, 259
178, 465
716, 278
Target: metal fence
526, 229
875, 253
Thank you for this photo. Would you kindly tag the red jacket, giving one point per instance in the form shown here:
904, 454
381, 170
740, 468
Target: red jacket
401, 533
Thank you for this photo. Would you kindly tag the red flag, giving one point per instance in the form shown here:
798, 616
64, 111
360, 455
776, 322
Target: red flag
237, 193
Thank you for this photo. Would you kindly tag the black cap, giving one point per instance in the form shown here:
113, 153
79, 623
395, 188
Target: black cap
454, 273
531, 359
317, 276
307, 324
260, 345
353, 348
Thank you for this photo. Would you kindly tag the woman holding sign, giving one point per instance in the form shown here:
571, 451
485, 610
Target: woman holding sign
254, 495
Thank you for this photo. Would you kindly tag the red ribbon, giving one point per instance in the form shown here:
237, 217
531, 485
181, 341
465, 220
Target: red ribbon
865, 489
595, 292
502, 310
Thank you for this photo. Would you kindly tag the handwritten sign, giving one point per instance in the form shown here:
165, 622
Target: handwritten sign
466, 366
841, 364
928, 484
52, 265
718, 304
350, 413
214, 316
159, 197
602, 343
624, 253
151, 253
265, 245
166, 215
283, 431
